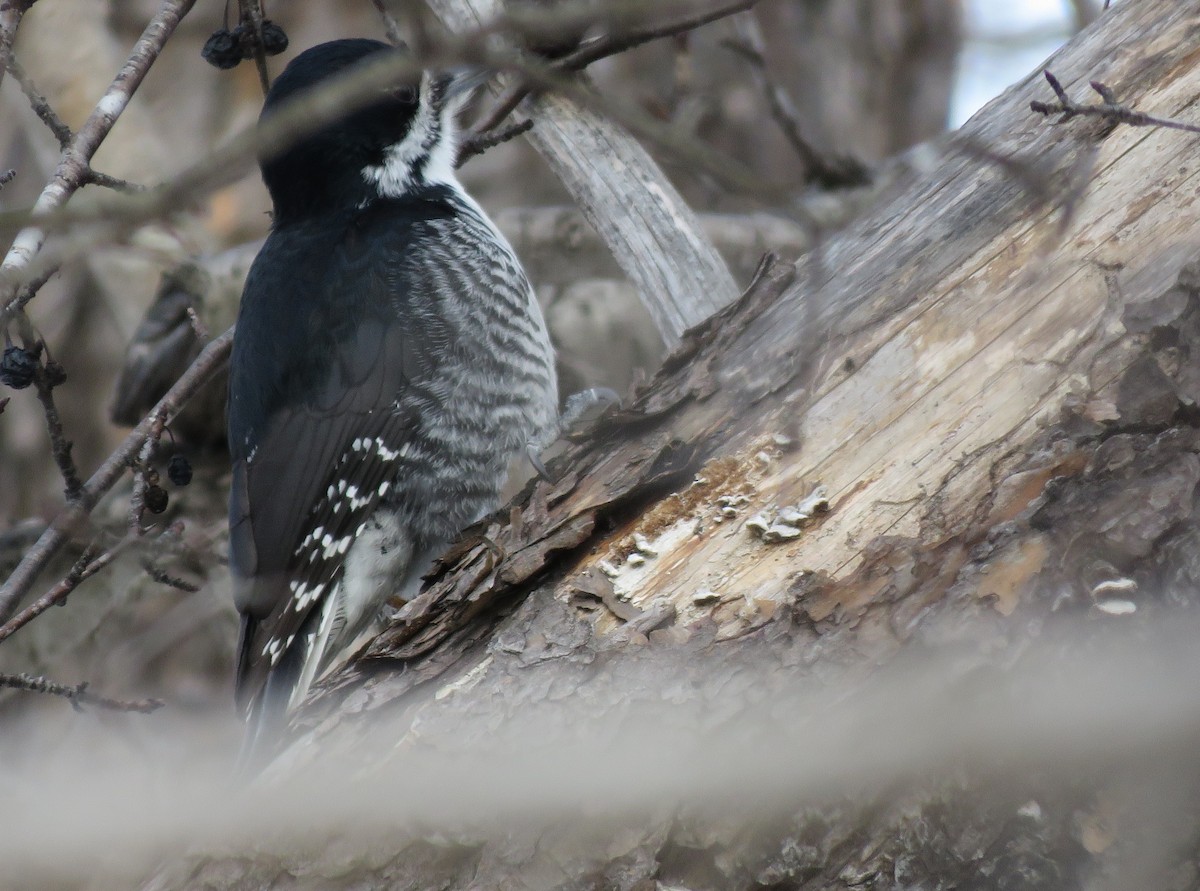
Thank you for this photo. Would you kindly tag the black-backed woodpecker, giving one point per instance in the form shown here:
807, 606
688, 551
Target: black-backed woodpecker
390, 359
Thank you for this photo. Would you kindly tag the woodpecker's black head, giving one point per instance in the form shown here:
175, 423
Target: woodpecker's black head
401, 142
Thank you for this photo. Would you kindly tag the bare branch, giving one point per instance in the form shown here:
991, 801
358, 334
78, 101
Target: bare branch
252, 17
163, 577
480, 143
322, 106
624, 194
78, 694
89, 563
831, 172
1108, 108
73, 167
10, 18
603, 47
29, 290
39, 104
698, 275
95, 178
390, 25
294, 120
64, 525
48, 376
613, 43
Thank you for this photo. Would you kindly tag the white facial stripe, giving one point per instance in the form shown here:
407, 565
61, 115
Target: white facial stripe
440, 166
430, 138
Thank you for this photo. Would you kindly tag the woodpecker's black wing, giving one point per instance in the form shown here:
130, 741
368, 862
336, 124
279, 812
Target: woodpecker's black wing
331, 335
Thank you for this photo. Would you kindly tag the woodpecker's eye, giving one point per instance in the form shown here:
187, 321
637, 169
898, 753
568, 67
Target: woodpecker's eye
408, 95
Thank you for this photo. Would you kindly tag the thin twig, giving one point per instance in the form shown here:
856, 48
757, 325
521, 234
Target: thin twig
164, 578
390, 26
1108, 108
611, 44
198, 326
505, 104
602, 47
252, 18
47, 376
95, 178
137, 499
40, 105
73, 167
10, 18
829, 171
727, 171
1041, 181
1078, 178
30, 289
78, 694
477, 145
1032, 173
88, 564
210, 360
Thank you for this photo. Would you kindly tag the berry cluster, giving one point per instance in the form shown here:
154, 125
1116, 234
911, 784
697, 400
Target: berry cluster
179, 472
225, 48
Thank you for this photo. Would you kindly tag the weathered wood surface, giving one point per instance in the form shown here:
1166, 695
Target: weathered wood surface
1001, 407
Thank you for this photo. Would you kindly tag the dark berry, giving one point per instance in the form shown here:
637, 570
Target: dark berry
179, 470
156, 499
274, 40
222, 49
18, 367
55, 374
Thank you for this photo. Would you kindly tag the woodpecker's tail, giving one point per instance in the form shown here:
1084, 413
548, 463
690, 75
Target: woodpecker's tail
288, 682
266, 713
267, 719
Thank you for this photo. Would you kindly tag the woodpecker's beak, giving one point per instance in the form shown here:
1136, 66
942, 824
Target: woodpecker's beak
462, 82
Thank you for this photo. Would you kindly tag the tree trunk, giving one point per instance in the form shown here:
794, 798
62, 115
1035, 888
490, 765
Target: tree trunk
993, 379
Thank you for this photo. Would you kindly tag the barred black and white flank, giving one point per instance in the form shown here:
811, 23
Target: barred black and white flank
389, 362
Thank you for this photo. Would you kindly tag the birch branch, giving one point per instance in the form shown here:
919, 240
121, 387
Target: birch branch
74, 167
